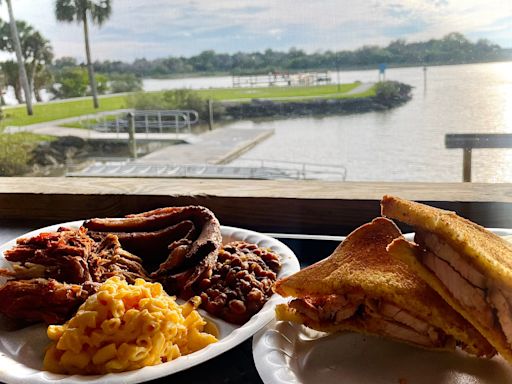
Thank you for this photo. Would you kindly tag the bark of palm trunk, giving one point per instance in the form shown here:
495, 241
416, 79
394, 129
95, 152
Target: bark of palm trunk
19, 58
90, 69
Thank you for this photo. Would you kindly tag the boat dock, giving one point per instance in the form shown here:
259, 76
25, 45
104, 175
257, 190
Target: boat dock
204, 156
219, 146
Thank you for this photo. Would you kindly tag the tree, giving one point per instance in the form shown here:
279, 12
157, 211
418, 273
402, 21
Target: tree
72, 82
35, 49
98, 11
38, 53
125, 83
19, 58
43, 79
11, 74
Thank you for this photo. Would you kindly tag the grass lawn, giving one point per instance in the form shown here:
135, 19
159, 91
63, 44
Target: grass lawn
15, 151
271, 92
54, 111
73, 108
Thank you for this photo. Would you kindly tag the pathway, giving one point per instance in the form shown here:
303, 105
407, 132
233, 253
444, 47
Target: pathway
53, 128
361, 88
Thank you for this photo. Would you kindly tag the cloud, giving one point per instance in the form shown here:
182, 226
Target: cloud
158, 28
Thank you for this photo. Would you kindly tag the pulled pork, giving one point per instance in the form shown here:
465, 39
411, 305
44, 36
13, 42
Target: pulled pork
54, 272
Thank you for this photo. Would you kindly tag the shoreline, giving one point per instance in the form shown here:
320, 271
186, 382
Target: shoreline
391, 95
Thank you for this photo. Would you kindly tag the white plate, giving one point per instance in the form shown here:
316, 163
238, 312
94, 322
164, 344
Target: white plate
21, 352
286, 353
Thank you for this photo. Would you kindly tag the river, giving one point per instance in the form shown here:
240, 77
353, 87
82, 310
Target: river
403, 144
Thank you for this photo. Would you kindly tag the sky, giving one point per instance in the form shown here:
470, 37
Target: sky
163, 28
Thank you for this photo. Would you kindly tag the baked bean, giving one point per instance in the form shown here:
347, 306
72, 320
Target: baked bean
237, 306
241, 281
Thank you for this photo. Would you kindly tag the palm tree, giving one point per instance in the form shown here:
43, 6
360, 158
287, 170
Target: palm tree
80, 10
38, 54
19, 58
11, 74
35, 49
42, 79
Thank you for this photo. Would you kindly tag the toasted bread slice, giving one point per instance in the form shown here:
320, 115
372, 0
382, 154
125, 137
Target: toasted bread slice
361, 264
408, 253
489, 253
472, 248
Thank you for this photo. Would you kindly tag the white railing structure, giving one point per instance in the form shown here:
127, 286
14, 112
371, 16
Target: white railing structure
145, 121
112, 168
305, 170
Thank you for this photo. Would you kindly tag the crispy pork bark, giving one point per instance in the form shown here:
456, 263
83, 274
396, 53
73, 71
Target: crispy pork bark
178, 244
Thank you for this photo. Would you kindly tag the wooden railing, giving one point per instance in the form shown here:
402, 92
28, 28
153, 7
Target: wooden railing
468, 141
304, 207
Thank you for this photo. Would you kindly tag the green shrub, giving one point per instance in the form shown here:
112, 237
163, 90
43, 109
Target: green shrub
16, 152
125, 82
74, 82
175, 99
389, 91
144, 100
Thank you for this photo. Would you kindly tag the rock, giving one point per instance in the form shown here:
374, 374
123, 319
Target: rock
400, 93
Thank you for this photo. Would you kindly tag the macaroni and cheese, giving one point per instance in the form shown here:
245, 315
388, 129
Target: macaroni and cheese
124, 327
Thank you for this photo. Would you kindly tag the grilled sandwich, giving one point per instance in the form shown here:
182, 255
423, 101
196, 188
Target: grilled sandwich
361, 288
470, 267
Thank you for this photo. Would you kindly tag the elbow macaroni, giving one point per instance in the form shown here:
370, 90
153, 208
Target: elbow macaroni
124, 327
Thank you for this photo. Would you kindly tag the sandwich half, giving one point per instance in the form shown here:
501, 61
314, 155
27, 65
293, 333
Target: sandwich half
361, 288
470, 267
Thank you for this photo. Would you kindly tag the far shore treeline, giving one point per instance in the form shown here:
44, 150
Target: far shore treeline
453, 48
65, 77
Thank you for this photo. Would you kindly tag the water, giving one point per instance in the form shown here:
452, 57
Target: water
404, 144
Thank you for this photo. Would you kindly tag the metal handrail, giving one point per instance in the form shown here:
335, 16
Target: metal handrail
340, 169
144, 119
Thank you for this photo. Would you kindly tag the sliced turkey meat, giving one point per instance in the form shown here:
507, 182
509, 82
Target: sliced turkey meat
382, 317
464, 292
442, 249
466, 284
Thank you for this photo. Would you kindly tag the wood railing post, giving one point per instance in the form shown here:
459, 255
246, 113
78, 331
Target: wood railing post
466, 165
210, 114
132, 145
469, 141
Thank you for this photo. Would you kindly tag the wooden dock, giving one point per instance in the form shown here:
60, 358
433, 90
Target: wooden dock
219, 146
203, 157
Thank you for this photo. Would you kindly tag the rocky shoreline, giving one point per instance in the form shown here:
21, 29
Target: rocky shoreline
389, 95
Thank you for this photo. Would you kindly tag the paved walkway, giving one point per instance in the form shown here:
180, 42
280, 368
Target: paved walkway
90, 134
363, 87
53, 128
